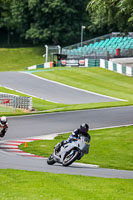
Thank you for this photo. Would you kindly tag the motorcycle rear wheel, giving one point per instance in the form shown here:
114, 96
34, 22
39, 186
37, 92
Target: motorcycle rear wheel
70, 157
50, 160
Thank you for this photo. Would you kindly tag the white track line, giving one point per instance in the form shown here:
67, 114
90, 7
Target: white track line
26, 93
73, 87
8, 145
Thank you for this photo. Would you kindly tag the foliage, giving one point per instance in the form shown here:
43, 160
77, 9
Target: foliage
60, 21
55, 21
20, 16
50, 21
126, 11
5, 14
110, 15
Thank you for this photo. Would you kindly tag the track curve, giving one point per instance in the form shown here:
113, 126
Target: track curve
43, 124
49, 90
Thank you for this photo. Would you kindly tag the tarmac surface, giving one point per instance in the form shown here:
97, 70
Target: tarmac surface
49, 90
46, 124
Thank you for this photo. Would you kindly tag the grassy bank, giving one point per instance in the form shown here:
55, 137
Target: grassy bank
12, 59
16, 184
96, 80
109, 148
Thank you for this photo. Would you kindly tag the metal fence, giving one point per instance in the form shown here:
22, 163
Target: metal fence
16, 101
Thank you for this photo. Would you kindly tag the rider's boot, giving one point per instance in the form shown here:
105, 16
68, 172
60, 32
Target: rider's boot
58, 146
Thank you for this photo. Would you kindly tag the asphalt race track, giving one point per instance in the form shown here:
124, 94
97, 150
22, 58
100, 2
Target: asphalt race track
37, 164
45, 124
49, 90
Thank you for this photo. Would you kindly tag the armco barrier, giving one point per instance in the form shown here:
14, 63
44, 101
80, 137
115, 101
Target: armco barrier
93, 62
35, 66
119, 68
85, 62
16, 101
44, 65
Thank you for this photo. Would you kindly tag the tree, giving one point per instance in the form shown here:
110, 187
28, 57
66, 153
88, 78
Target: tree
46, 21
125, 13
6, 21
56, 21
20, 16
110, 15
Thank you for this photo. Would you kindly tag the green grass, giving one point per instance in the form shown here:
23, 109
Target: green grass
12, 59
95, 79
109, 148
6, 109
25, 185
117, 151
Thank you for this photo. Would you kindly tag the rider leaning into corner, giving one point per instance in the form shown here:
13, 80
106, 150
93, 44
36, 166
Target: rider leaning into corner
83, 130
3, 126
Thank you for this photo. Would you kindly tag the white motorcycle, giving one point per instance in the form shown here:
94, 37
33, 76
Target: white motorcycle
70, 152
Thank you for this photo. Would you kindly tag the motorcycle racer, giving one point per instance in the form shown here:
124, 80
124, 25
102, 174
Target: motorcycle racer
73, 148
3, 126
83, 130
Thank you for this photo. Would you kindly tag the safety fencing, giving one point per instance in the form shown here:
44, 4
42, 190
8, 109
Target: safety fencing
119, 68
15, 101
85, 62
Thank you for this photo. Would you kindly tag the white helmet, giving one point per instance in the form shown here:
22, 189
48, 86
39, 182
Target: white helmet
3, 120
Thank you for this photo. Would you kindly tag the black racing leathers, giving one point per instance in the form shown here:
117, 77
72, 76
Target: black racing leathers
75, 134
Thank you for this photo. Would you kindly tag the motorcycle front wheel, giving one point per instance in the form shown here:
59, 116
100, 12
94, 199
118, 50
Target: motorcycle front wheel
50, 160
70, 157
